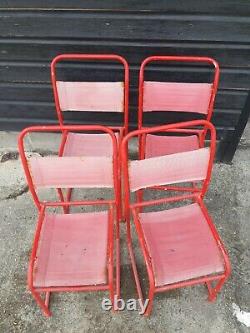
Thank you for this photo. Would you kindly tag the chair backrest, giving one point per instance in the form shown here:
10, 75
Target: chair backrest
177, 96
69, 172
91, 96
188, 166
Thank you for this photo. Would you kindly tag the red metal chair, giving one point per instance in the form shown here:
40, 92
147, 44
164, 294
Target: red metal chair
180, 246
93, 97
197, 98
73, 252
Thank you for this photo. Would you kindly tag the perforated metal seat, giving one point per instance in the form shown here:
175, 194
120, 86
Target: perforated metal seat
181, 245
72, 250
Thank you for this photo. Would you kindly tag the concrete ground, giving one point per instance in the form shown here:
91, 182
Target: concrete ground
184, 310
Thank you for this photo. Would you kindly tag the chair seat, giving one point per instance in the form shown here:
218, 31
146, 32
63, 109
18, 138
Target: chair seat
158, 145
72, 250
81, 144
180, 244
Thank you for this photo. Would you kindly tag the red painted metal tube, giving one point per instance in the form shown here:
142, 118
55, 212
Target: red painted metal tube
41, 205
189, 283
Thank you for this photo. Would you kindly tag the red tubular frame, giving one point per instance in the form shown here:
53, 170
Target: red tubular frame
42, 205
196, 197
123, 130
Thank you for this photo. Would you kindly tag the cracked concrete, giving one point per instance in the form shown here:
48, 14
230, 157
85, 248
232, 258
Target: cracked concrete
184, 310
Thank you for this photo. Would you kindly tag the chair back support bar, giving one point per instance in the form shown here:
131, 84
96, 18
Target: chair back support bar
177, 96
91, 96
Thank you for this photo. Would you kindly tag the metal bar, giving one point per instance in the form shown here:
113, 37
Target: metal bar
188, 283
73, 288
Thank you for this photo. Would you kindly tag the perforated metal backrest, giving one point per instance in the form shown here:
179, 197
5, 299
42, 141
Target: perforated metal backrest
71, 172
91, 96
169, 169
177, 96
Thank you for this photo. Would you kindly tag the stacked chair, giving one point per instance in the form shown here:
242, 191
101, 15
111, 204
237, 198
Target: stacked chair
189, 99
88, 96
179, 243
72, 252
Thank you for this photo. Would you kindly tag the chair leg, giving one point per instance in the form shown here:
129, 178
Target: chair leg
43, 304
150, 302
139, 198
47, 298
133, 262
120, 211
61, 197
118, 261
68, 198
112, 296
213, 291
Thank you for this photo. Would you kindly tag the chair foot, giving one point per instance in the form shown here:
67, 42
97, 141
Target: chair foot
148, 311
112, 298
47, 298
213, 291
42, 304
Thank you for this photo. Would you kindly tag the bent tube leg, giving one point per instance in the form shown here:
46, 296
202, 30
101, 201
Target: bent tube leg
47, 298
118, 261
150, 303
139, 198
41, 303
61, 197
69, 194
133, 263
213, 291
